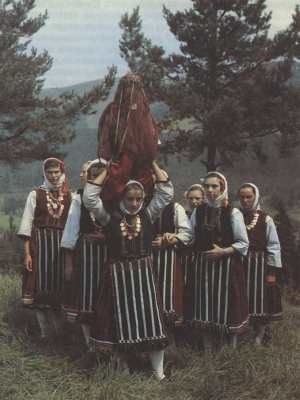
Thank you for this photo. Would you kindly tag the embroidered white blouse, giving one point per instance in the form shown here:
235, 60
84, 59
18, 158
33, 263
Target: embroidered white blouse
162, 196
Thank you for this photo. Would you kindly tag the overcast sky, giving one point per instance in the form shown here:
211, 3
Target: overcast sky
82, 35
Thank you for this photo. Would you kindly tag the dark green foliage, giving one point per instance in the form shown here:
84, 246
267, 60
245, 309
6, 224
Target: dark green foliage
289, 250
31, 126
12, 204
140, 54
226, 79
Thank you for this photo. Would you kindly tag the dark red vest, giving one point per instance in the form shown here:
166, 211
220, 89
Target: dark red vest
213, 226
42, 218
257, 235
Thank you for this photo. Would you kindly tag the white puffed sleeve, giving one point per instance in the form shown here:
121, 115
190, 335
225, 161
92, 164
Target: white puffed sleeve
193, 224
162, 196
183, 226
28, 215
240, 236
273, 244
93, 203
72, 227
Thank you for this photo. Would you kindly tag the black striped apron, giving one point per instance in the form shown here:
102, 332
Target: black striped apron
186, 261
255, 272
211, 291
136, 306
260, 297
164, 271
49, 277
93, 255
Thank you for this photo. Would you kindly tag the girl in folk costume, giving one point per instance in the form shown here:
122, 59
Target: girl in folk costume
194, 197
128, 136
85, 251
172, 232
263, 262
128, 315
41, 229
216, 300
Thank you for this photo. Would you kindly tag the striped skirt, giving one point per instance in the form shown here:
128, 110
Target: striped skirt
128, 313
264, 300
43, 286
169, 278
216, 296
90, 259
186, 259
93, 256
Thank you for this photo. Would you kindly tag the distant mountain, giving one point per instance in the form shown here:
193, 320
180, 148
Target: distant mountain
79, 88
276, 177
296, 74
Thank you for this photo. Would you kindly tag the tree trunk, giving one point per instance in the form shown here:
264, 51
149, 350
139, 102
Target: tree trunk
212, 67
211, 157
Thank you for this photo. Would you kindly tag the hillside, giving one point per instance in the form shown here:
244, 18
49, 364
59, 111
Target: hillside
274, 176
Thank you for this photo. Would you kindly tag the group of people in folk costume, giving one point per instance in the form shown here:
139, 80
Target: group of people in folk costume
130, 264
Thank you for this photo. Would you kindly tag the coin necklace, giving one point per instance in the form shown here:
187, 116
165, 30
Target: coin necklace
131, 231
55, 205
253, 222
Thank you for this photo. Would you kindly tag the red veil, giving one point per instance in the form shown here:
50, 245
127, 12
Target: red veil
128, 135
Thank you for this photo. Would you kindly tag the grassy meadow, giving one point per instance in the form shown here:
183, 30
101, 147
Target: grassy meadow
4, 222
32, 370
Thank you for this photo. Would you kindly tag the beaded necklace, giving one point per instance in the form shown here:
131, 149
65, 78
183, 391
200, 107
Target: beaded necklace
131, 231
253, 221
55, 205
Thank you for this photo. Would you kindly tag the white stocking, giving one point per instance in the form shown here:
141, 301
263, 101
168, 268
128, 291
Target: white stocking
234, 340
208, 342
42, 321
157, 361
260, 333
56, 321
86, 330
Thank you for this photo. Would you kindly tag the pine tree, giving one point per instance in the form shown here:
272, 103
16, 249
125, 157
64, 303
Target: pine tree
227, 83
32, 126
140, 54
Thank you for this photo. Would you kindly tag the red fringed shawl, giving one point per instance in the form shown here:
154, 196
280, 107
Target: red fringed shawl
128, 135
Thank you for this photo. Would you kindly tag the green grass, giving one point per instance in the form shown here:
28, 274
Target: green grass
29, 370
4, 222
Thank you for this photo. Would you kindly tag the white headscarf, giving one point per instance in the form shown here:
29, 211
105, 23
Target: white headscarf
46, 184
195, 186
122, 205
218, 202
256, 205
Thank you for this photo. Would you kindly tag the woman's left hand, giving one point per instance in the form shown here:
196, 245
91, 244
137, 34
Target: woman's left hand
158, 241
271, 279
170, 238
214, 254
